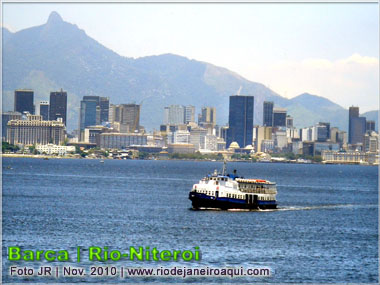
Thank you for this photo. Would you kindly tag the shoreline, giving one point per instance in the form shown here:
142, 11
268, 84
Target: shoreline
47, 157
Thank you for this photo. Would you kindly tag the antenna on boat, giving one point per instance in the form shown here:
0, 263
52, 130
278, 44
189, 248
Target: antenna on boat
224, 167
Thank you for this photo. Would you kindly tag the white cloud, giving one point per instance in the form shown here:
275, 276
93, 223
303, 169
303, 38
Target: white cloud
348, 81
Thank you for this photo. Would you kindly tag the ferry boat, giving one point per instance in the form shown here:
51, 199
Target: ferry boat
229, 191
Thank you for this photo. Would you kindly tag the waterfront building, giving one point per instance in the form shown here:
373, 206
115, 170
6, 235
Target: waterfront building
33, 130
240, 120
181, 148
268, 114
44, 110
55, 149
263, 133
58, 106
92, 134
24, 101
198, 137
6, 117
352, 157
279, 117
122, 140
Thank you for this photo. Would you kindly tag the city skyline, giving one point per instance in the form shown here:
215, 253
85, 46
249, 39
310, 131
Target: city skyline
354, 53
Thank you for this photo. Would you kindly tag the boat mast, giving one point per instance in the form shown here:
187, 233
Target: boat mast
224, 167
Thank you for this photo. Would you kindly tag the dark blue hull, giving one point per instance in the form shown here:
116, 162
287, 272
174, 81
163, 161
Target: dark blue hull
200, 200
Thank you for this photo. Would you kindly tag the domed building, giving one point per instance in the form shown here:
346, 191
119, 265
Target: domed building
233, 146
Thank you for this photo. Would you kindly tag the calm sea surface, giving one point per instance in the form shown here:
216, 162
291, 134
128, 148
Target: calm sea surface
326, 228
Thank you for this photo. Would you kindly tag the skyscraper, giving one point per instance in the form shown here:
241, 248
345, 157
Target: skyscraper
328, 135
370, 126
104, 104
24, 101
174, 115
58, 106
44, 110
130, 117
207, 117
88, 113
279, 117
189, 114
268, 114
356, 126
240, 120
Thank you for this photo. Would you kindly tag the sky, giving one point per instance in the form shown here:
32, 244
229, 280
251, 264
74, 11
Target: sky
326, 49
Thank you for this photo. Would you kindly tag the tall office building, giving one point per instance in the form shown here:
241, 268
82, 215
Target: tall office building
279, 117
189, 114
268, 114
370, 126
44, 110
328, 135
289, 121
240, 120
104, 104
174, 115
130, 117
58, 106
24, 101
207, 117
356, 126
88, 114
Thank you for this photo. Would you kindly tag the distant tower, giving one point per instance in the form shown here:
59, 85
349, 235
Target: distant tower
89, 112
356, 126
370, 126
268, 114
240, 120
104, 104
279, 117
24, 101
58, 106
44, 110
174, 115
189, 114
207, 118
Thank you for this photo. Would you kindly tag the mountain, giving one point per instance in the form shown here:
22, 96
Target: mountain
60, 55
309, 109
